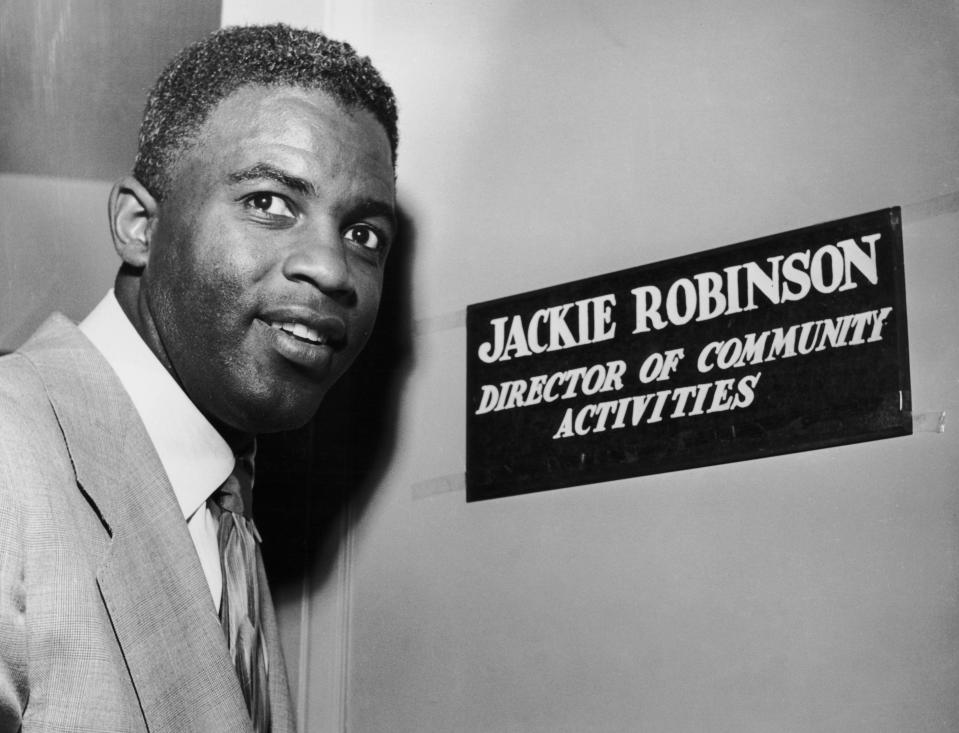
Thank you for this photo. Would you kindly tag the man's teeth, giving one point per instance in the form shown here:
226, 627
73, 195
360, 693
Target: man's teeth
300, 330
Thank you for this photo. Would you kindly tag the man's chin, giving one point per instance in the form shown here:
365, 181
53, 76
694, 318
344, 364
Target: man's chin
285, 424
279, 414
282, 415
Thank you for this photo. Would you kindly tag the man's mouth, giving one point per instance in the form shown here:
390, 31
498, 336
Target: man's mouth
301, 331
305, 336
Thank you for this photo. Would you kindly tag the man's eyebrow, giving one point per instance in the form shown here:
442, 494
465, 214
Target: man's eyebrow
370, 208
270, 172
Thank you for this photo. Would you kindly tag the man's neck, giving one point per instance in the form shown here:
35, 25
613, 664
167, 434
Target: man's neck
239, 441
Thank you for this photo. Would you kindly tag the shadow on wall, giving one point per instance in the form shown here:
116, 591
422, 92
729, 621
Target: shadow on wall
306, 478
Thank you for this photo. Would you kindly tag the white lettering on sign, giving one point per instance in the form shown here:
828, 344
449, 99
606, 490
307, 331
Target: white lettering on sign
551, 329
689, 401
552, 387
781, 279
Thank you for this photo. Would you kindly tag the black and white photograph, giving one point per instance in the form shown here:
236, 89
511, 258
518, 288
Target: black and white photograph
518, 366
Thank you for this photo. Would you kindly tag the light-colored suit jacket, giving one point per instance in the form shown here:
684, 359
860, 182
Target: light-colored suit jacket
106, 620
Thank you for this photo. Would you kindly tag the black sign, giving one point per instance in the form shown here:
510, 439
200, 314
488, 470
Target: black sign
785, 343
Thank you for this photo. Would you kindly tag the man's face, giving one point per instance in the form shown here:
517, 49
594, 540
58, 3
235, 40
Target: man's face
266, 258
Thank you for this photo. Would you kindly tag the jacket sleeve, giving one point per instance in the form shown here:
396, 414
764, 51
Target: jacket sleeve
14, 691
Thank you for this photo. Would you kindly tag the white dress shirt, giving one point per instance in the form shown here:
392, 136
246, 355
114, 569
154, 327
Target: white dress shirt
196, 459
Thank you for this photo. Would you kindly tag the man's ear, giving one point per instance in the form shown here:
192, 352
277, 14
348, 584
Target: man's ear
133, 212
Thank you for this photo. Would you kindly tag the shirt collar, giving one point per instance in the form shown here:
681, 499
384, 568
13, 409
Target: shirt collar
194, 455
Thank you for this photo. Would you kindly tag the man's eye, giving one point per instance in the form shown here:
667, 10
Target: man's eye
270, 205
365, 236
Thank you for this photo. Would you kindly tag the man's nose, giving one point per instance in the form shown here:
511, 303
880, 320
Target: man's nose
321, 259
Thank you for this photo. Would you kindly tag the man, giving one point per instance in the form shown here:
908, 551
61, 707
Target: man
253, 236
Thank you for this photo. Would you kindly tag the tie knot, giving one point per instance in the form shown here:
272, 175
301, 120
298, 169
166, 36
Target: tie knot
236, 493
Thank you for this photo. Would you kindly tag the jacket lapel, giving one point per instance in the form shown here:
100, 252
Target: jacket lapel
150, 577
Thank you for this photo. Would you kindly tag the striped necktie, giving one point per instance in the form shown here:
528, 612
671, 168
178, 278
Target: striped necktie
240, 601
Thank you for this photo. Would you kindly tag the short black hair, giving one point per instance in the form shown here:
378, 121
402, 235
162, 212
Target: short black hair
206, 72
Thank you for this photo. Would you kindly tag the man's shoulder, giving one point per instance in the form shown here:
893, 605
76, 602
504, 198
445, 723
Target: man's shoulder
21, 391
28, 422
57, 336
21, 379
33, 452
